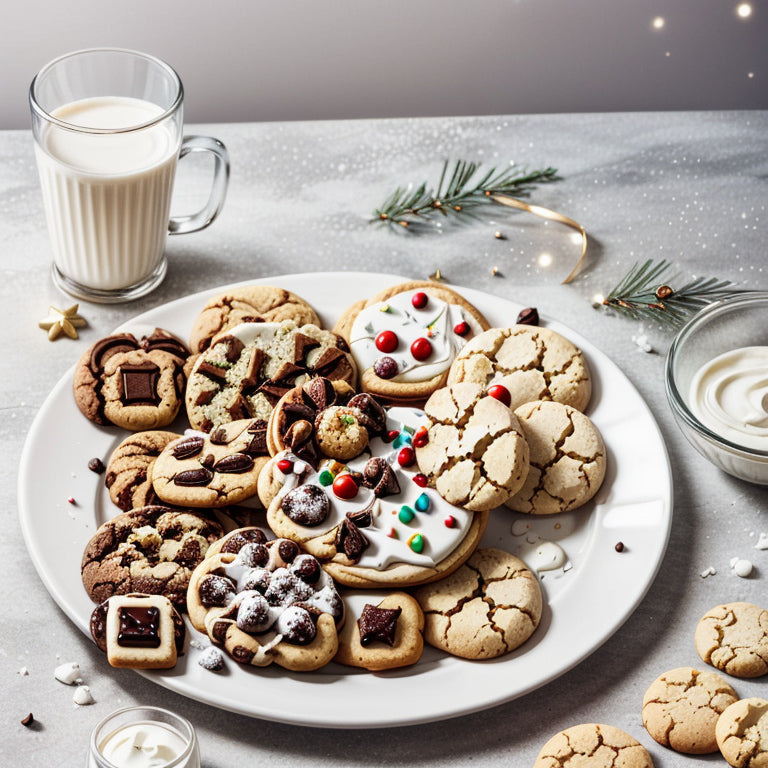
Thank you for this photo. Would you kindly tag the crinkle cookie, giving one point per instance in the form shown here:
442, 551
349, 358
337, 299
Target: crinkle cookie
405, 338
248, 304
734, 638
593, 745
532, 363
742, 733
386, 635
151, 550
138, 631
372, 521
129, 469
567, 459
212, 470
474, 452
134, 383
324, 419
250, 367
681, 708
265, 602
486, 608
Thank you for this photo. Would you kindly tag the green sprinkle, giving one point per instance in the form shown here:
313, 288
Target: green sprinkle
325, 478
345, 419
416, 542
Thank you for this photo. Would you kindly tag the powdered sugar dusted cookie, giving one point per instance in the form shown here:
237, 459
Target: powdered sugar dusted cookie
742, 733
734, 637
248, 304
486, 608
250, 367
134, 383
567, 459
405, 338
593, 744
372, 520
265, 602
532, 363
387, 633
474, 451
682, 706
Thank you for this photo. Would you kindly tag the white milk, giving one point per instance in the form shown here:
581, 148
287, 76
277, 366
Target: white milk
107, 196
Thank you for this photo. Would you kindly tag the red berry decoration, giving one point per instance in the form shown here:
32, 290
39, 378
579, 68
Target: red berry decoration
450, 521
419, 300
345, 487
285, 466
421, 349
421, 438
501, 393
461, 329
420, 480
406, 457
386, 341
390, 436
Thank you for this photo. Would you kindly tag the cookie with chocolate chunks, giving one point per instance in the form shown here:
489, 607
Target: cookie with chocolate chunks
152, 550
250, 367
212, 470
265, 601
132, 382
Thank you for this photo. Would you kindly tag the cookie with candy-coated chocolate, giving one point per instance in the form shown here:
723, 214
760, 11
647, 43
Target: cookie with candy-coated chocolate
405, 338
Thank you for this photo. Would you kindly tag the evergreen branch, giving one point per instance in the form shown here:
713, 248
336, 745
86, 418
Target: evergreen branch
460, 193
645, 293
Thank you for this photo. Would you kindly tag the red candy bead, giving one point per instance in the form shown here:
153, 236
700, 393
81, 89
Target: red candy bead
461, 329
419, 300
501, 393
450, 521
420, 480
406, 457
421, 438
386, 341
285, 466
345, 487
421, 349
391, 435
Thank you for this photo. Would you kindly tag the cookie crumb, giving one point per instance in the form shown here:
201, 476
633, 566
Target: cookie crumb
619, 546
211, 659
642, 342
499, 235
436, 276
496, 272
762, 542
82, 696
96, 465
24, 672
28, 720
708, 572
71, 500
68, 673
741, 567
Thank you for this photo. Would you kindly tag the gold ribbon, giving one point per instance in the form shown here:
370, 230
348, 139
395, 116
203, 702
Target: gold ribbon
545, 213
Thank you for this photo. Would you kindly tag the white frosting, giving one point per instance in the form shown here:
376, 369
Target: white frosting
83, 696
67, 673
143, 745
729, 394
741, 567
435, 322
383, 549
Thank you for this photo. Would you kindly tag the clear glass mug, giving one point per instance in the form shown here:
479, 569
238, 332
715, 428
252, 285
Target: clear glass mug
107, 124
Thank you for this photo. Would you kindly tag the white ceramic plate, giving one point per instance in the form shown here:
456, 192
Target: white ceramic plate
633, 506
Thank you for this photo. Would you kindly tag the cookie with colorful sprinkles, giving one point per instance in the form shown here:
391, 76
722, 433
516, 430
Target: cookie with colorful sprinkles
405, 338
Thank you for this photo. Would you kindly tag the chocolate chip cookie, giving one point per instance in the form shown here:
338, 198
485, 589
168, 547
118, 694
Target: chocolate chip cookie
251, 366
152, 550
134, 383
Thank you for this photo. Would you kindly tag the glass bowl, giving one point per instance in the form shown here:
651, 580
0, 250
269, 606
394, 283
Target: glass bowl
725, 325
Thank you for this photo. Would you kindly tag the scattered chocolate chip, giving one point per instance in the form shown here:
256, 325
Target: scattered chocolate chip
96, 465
619, 546
378, 624
187, 448
385, 367
528, 316
306, 505
372, 416
350, 541
28, 720
378, 475
288, 550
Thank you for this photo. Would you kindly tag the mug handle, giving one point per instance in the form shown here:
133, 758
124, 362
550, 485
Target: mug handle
180, 225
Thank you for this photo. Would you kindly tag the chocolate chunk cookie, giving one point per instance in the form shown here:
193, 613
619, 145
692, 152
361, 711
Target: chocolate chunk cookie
212, 470
129, 469
151, 550
134, 383
250, 367
248, 304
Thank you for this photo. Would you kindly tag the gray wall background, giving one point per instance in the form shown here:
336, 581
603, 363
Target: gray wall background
251, 60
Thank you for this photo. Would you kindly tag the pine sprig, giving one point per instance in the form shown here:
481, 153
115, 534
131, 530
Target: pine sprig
645, 293
461, 193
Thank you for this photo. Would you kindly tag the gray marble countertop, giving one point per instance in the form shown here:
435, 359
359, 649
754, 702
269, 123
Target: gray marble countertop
687, 187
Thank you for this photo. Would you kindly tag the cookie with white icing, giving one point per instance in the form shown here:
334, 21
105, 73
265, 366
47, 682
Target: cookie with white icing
372, 521
405, 338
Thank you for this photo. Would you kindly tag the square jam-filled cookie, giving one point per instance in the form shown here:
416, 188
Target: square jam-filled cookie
139, 631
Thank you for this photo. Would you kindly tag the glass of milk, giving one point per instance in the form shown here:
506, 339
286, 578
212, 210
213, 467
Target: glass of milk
143, 737
108, 129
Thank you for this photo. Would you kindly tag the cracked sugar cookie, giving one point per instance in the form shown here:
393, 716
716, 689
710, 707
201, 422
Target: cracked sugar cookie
742, 733
486, 608
473, 452
532, 363
734, 638
248, 304
567, 459
405, 338
593, 744
681, 708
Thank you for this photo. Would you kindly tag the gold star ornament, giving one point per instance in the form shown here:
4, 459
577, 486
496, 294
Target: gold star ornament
59, 321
